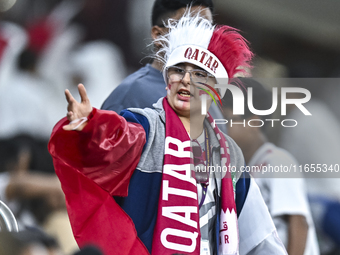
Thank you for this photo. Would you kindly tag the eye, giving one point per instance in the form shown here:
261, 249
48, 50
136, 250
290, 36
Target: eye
175, 70
178, 70
200, 74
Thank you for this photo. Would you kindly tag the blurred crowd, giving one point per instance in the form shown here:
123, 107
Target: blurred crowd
48, 46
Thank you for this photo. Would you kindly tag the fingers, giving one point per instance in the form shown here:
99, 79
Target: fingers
71, 125
70, 116
68, 96
77, 125
77, 110
82, 93
68, 127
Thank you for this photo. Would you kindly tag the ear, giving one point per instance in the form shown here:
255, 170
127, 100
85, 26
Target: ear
156, 32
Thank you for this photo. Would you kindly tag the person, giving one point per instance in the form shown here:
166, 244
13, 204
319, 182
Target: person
31, 191
143, 159
13, 39
35, 73
134, 90
28, 242
323, 188
286, 198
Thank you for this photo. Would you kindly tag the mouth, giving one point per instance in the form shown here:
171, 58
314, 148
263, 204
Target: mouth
184, 93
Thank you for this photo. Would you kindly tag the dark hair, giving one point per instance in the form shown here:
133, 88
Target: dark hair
164, 9
8, 154
15, 243
89, 250
10, 149
27, 60
262, 98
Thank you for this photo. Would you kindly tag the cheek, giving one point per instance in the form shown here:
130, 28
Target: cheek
202, 92
168, 89
171, 91
168, 92
172, 88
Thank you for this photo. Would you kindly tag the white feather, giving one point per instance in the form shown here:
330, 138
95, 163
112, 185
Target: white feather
191, 29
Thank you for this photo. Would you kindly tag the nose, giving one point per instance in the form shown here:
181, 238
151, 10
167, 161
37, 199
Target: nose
186, 78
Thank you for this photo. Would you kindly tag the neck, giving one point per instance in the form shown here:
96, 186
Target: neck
157, 64
253, 146
193, 125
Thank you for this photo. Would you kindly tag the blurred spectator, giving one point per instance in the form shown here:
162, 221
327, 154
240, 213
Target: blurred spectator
90, 57
139, 30
13, 39
28, 242
100, 66
89, 250
135, 90
107, 21
318, 139
23, 103
45, 60
51, 60
37, 78
35, 197
286, 198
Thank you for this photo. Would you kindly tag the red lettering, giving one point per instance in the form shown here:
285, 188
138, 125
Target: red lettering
226, 239
203, 56
225, 225
214, 66
188, 53
208, 63
195, 55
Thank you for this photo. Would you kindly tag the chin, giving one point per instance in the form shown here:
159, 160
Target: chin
182, 111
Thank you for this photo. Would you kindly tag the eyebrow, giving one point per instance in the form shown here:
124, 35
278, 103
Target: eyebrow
196, 67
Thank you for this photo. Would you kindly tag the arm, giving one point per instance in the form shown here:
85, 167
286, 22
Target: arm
106, 148
297, 237
288, 202
24, 185
95, 162
257, 232
256, 229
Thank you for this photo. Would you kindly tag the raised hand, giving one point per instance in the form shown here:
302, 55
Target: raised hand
76, 112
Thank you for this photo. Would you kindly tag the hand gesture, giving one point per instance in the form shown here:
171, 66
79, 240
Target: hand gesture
77, 112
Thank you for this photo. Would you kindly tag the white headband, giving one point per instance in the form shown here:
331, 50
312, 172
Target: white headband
198, 56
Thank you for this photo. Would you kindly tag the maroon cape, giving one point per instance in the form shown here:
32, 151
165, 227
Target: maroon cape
93, 165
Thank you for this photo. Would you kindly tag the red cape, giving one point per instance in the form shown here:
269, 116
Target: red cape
93, 165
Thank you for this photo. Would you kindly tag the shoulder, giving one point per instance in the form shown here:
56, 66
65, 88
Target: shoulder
143, 75
153, 115
280, 156
151, 159
134, 91
131, 81
144, 117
